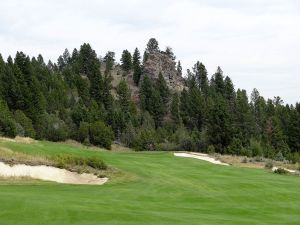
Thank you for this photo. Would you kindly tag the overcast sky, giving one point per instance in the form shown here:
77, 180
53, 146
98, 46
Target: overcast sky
256, 42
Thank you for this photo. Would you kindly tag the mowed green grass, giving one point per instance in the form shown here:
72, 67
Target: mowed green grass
155, 188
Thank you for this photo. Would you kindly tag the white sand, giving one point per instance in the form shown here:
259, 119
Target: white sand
49, 173
200, 156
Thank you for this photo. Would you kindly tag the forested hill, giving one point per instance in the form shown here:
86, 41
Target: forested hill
143, 103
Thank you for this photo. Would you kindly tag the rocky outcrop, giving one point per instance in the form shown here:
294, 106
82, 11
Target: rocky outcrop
158, 61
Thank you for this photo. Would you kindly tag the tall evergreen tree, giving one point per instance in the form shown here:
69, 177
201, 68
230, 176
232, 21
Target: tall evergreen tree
201, 76
163, 89
152, 45
126, 61
179, 68
219, 81
124, 96
109, 60
175, 110
136, 63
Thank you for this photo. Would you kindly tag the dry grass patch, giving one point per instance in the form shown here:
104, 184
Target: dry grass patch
252, 162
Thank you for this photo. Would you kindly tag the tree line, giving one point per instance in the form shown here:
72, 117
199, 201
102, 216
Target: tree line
72, 98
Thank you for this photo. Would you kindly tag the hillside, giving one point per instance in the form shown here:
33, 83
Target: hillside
143, 102
150, 188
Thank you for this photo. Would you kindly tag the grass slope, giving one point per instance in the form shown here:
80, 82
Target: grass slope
155, 188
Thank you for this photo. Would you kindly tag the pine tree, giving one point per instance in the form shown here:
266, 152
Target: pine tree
88, 62
201, 77
170, 53
219, 82
163, 89
156, 109
123, 93
66, 56
152, 45
126, 61
175, 110
179, 68
146, 91
136, 64
218, 125
243, 119
229, 93
109, 60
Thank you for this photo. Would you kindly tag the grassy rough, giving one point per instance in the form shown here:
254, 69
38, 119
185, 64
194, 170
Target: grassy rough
154, 188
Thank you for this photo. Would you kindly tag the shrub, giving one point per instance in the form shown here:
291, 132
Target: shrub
280, 171
199, 140
246, 152
19, 130
269, 164
101, 135
50, 127
145, 140
168, 146
65, 161
235, 147
187, 144
279, 157
83, 132
26, 124
255, 148
128, 136
211, 149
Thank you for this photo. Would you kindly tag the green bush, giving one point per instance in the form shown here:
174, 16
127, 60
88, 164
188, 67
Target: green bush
101, 135
20, 130
280, 171
255, 148
66, 161
187, 144
145, 140
279, 157
26, 123
168, 146
128, 136
50, 127
211, 149
83, 132
235, 147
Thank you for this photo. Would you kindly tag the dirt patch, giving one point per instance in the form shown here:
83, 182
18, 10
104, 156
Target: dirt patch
49, 173
200, 156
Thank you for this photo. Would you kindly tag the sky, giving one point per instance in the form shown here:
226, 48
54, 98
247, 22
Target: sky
255, 42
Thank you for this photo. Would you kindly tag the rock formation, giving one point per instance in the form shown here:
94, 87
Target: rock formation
161, 62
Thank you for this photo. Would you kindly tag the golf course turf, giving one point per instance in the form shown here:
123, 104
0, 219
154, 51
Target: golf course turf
151, 188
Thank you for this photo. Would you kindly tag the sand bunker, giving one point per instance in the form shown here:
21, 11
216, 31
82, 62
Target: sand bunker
49, 173
200, 156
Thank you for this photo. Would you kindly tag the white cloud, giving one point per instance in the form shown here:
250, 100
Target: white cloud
255, 42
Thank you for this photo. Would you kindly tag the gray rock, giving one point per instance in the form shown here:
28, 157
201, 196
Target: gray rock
159, 61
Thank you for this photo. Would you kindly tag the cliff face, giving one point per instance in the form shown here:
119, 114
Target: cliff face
157, 62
